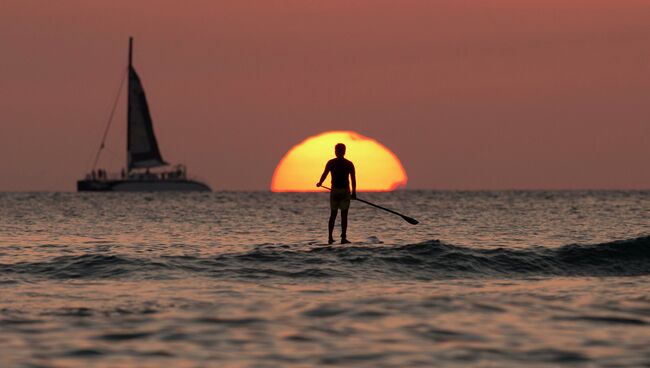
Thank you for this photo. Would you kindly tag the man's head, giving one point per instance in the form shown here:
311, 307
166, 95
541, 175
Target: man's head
339, 149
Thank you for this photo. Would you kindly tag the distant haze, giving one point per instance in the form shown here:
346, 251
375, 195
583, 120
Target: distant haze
468, 94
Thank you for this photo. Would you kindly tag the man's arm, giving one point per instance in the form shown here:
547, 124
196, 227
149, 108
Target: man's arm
353, 178
322, 177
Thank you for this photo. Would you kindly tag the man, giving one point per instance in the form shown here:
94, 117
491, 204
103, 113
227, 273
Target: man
342, 171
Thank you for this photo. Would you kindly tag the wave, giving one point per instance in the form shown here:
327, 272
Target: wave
428, 260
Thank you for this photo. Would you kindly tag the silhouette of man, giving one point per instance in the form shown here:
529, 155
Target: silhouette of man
342, 171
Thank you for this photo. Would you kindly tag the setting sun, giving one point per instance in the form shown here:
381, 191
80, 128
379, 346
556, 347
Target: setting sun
377, 168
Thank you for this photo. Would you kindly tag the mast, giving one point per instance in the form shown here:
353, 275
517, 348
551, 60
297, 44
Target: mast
130, 50
128, 110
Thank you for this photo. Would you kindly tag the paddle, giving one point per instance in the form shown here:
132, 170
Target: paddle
410, 220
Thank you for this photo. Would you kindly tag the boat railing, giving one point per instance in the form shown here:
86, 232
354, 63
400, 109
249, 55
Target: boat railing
102, 175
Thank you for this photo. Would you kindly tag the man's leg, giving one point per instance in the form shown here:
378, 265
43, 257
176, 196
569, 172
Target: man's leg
344, 226
331, 225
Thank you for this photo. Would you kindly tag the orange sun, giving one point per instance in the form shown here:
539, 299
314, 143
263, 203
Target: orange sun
377, 168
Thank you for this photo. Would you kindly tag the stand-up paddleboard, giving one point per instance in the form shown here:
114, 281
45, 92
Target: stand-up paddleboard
371, 240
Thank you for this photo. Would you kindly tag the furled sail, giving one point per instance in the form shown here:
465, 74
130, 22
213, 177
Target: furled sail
142, 146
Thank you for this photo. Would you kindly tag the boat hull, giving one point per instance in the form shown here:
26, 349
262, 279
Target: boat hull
141, 186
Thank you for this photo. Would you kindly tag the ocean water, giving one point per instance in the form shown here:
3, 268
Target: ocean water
245, 279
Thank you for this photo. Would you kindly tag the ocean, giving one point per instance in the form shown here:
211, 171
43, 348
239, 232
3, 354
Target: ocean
246, 279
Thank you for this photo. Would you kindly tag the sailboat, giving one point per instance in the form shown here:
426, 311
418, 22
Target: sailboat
144, 162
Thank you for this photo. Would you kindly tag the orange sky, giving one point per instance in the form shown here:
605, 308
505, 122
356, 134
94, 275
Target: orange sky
468, 94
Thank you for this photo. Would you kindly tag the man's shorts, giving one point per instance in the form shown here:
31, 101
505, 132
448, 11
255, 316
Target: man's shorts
340, 199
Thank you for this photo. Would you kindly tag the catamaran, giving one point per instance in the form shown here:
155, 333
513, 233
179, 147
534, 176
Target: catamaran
144, 162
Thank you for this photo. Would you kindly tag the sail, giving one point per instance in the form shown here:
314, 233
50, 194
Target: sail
142, 146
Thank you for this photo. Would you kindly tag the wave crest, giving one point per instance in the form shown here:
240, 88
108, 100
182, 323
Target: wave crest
431, 259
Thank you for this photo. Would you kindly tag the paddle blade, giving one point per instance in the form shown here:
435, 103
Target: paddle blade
410, 220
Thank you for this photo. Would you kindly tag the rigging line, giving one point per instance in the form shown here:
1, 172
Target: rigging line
110, 120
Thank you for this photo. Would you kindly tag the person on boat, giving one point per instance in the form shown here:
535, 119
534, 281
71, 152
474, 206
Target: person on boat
342, 171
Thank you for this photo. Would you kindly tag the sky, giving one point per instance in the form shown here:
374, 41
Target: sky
537, 94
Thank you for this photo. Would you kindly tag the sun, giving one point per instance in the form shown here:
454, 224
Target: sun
377, 168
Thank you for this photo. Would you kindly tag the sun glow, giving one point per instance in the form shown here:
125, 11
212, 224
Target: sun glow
377, 168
